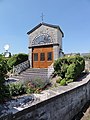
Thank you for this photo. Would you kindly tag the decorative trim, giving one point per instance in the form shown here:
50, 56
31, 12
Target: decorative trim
55, 44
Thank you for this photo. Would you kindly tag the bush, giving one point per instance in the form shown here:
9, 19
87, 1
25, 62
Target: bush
30, 88
58, 80
17, 59
63, 82
60, 66
39, 83
36, 85
16, 89
71, 72
69, 67
69, 81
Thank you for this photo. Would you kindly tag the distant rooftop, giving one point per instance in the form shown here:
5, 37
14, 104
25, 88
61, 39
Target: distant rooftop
85, 54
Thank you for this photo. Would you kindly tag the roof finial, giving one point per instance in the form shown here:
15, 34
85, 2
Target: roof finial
42, 17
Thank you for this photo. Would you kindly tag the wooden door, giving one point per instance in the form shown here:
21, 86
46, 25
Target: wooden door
42, 57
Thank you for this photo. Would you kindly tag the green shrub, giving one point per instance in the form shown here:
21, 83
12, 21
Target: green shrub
60, 66
58, 80
69, 81
30, 89
71, 72
17, 59
39, 83
63, 70
36, 85
69, 67
16, 89
63, 82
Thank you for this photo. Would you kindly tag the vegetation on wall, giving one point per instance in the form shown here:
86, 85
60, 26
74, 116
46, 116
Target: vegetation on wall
69, 68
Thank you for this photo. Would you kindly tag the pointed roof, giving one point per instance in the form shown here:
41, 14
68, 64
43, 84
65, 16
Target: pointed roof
45, 24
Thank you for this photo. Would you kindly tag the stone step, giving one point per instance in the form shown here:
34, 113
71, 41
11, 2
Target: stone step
29, 78
33, 73
36, 70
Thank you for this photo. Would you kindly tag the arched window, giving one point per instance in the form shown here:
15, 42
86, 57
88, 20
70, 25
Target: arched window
42, 39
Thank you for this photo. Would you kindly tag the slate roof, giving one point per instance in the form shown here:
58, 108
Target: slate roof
45, 24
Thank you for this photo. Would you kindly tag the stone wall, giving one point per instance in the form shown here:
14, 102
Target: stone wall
61, 103
21, 67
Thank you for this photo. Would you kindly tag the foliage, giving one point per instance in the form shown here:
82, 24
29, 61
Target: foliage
71, 72
69, 67
30, 88
60, 66
36, 85
69, 81
16, 89
63, 82
3, 71
17, 59
58, 80
5, 65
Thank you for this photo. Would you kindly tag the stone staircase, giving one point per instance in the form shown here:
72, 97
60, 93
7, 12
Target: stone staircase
32, 73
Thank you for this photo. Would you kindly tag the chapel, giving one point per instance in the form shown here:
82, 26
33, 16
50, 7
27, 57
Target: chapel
45, 45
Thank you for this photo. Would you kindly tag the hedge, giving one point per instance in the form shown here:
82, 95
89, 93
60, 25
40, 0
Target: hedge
69, 67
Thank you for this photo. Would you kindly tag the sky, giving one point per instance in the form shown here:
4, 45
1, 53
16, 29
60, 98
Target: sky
17, 17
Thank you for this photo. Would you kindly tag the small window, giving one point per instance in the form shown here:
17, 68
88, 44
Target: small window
42, 56
35, 56
49, 56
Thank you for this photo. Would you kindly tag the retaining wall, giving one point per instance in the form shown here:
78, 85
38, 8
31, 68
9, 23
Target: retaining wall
61, 103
